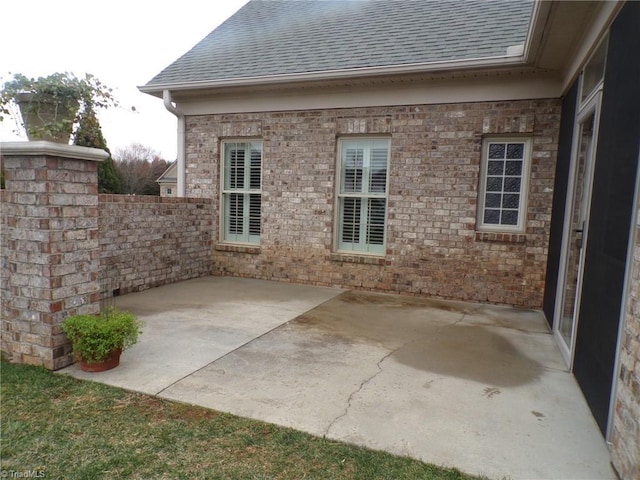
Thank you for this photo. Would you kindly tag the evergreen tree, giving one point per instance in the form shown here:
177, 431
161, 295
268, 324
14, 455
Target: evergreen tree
89, 134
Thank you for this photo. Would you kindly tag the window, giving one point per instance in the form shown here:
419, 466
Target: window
241, 191
593, 72
362, 196
504, 176
169, 191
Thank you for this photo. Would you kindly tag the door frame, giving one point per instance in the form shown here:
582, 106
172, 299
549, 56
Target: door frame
591, 105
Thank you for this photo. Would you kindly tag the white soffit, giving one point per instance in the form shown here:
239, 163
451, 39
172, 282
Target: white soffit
566, 33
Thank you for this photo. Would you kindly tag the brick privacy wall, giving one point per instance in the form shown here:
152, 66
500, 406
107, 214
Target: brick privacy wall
626, 421
432, 245
151, 241
4, 272
50, 259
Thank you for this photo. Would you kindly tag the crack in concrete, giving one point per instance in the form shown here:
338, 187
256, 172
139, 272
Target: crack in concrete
367, 380
362, 384
464, 316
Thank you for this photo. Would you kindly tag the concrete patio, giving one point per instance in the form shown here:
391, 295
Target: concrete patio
481, 388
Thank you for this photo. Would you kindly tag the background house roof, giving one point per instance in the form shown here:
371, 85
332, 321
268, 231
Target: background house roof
279, 37
170, 175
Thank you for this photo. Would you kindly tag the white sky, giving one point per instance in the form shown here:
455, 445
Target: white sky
122, 43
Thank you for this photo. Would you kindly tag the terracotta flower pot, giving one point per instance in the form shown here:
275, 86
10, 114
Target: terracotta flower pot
112, 361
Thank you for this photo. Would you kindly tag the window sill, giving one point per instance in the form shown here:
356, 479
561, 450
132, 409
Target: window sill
227, 247
501, 237
355, 258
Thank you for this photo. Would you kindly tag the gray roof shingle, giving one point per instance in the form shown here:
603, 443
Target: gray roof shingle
275, 37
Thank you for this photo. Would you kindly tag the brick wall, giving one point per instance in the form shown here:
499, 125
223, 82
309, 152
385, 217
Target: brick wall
432, 245
150, 241
51, 261
626, 421
4, 270
64, 248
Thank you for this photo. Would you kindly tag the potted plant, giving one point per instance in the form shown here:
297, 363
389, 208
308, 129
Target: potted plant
50, 106
98, 341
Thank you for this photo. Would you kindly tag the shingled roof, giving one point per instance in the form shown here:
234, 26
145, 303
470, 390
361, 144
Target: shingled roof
281, 37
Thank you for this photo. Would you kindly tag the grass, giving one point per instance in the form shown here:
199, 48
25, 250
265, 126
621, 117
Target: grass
58, 427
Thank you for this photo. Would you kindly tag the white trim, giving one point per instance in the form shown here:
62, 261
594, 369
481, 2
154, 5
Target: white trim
338, 185
593, 107
597, 88
181, 177
43, 147
171, 168
474, 87
539, 19
248, 191
590, 41
524, 185
497, 61
180, 151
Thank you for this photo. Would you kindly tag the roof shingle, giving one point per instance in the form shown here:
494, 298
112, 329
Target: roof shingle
275, 37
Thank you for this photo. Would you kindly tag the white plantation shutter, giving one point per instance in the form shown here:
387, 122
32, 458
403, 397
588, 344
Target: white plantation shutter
242, 191
363, 195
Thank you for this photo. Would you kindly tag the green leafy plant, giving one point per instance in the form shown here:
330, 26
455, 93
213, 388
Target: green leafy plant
93, 338
70, 95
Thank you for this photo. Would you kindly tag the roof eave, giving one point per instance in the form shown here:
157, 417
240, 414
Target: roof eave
452, 65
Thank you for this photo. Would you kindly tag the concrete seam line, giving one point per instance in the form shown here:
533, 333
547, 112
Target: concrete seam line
244, 344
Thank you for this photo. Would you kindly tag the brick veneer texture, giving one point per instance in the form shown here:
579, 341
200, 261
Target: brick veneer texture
626, 423
50, 254
151, 241
4, 273
432, 245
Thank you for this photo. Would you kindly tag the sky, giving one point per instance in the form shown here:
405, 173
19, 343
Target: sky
122, 43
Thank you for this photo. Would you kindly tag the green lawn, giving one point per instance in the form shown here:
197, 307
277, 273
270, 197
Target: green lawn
71, 429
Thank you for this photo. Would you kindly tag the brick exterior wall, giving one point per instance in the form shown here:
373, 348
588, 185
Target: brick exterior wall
168, 190
626, 421
64, 248
50, 253
151, 241
432, 246
4, 272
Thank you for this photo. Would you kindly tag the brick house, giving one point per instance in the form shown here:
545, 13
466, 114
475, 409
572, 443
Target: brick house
168, 181
479, 151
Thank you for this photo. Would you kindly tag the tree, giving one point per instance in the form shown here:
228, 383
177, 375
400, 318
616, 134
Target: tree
140, 167
89, 134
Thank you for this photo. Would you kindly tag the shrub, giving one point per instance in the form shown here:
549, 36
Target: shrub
93, 338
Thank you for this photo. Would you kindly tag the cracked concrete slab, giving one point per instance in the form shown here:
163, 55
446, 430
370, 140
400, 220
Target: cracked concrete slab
478, 387
190, 324
299, 381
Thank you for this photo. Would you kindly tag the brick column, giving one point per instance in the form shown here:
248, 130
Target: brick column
51, 248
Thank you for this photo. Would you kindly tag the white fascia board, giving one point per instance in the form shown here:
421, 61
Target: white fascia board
539, 19
590, 41
475, 88
500, 61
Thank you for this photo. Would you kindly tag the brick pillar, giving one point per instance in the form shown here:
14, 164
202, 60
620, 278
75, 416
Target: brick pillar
51, 249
